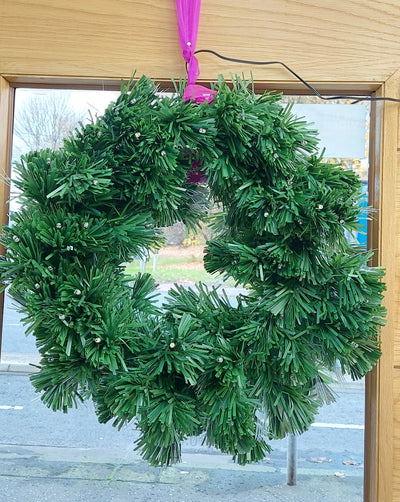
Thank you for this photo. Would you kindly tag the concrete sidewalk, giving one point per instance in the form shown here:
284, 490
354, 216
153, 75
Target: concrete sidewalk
39, 474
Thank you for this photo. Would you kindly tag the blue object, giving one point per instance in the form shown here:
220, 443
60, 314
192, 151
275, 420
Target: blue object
363, 220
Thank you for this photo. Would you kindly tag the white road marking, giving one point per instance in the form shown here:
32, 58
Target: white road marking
338, 426
3, 407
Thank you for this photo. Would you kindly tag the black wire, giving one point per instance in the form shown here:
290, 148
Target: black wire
356, 99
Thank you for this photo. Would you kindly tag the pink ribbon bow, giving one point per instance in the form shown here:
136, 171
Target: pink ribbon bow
188, 22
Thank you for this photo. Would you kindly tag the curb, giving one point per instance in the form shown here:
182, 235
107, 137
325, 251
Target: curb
16, 367
29, 365
11, 362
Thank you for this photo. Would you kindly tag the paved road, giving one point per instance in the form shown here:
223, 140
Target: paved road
56, 456
337, 434
47, 455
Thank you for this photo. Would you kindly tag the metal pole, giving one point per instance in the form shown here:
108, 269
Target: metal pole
291, 474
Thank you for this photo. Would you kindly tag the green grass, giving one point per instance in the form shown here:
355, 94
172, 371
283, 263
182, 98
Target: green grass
187, 268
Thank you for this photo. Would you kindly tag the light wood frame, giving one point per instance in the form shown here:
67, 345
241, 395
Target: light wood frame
382, 433
6, 130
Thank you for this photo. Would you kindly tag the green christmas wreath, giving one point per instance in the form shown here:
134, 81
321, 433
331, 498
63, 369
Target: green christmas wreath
241, 375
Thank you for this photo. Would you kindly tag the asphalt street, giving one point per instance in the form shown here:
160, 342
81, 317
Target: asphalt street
55, 456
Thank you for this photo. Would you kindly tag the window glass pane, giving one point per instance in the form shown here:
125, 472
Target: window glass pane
343, 132
43, 117
335, 442
333, 447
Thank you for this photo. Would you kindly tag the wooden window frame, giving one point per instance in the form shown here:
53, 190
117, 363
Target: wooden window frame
384, 147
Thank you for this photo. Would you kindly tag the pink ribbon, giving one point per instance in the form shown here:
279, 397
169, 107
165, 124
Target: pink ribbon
188, 22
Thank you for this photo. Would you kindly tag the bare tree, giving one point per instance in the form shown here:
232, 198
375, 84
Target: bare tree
44, 120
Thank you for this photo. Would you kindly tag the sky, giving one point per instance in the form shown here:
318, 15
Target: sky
95, 101
342, 128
